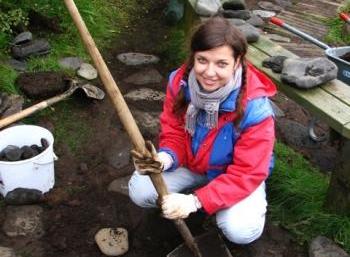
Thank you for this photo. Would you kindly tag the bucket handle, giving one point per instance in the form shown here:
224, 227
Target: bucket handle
55, 158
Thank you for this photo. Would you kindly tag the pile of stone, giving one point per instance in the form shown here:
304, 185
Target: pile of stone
12, 153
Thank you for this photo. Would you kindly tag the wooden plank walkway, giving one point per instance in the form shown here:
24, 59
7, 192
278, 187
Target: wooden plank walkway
310, 17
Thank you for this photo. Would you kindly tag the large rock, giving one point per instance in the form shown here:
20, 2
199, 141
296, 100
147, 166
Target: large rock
118, 155
120, 185
275, 63
15, 104
308, 72
23, 38
256, 21
323, 247
112, 241
148, 122
24, 221
21, 196
269, 6
237, 14
144, 77
73, 63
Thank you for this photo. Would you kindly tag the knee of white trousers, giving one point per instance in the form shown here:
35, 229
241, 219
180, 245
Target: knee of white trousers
141, 191
242, 231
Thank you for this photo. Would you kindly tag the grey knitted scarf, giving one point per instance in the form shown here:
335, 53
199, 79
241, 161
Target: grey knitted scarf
208, 101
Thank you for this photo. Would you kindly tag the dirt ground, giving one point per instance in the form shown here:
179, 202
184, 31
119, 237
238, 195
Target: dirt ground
80, 205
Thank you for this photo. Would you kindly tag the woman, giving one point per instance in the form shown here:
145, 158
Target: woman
217, 135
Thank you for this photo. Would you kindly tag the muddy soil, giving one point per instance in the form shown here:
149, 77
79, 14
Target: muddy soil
80, 205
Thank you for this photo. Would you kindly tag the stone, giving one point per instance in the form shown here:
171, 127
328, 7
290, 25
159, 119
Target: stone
144, 77
133, 58
11, 153
264, 14
32, 48
269, 6
278, 38
27, 152
15, 105
308, 72
174, 11
237, 14
256, 21
251, 33
4, 102
146, 94
236, 22
23, 38
323, 247
17, 65
72, 63
22, 196
233, 4
284, 3
87, 71
275, 63
118, 155
148, 122
7, 252
112, 241
207, 8
23, 221
120, 185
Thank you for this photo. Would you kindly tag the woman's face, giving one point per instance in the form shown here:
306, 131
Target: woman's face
214, 68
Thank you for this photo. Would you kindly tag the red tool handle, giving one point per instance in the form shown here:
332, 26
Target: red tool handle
345, 17
277, 21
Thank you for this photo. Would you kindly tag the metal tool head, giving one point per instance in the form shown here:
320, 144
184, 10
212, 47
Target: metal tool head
93, 91
210, 245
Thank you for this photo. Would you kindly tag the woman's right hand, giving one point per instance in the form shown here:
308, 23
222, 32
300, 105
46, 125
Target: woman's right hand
145, 164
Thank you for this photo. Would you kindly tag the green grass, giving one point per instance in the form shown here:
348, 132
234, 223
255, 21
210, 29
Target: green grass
7, 79
336, 34
296, 195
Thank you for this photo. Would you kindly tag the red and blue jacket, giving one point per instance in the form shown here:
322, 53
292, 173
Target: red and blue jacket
236, 159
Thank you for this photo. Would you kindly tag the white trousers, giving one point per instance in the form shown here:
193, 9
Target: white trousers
242, 223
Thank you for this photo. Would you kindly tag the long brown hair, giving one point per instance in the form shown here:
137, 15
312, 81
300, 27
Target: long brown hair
216, 32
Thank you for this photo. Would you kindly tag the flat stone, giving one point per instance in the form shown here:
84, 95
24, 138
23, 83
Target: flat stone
120, 185
23, 38
323, 247
118, 155
145, 94
73, 63
284, 3
237, 14
236, 22
87, 71
11, 153
269, 6
233, 4
264, 14
144, 77
137, 58
148, 122
256, 21
15, 105
112, 241
23, 221
278, 38
308, 72
251, 33
18, 65
7, 252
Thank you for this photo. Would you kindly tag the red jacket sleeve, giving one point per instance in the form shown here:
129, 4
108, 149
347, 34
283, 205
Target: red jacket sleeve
251, 161
172, 135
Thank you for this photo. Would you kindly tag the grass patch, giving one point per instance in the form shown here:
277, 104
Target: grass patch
296, 195
7, 79
336, 34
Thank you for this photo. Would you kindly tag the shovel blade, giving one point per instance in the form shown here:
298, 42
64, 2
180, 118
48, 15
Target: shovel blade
93, 91
210, 245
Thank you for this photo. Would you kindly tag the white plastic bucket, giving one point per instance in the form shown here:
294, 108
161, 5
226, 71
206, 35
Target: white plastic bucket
34, 173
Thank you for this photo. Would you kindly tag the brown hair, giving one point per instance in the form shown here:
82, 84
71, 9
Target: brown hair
216, 32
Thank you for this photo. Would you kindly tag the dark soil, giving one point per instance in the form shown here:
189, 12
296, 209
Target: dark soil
80, 205
346, 57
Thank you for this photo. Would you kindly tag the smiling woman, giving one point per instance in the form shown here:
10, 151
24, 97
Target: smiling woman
217, 135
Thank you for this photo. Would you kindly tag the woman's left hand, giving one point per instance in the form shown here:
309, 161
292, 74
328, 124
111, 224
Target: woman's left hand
179, 206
